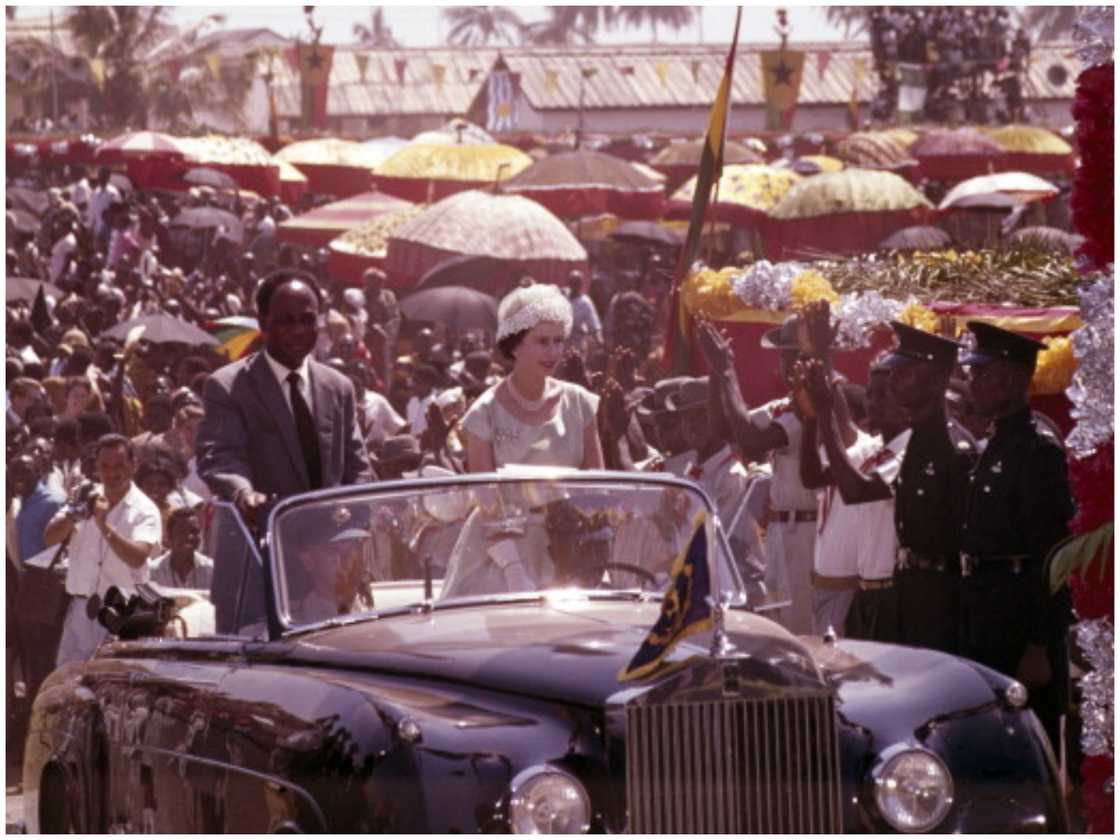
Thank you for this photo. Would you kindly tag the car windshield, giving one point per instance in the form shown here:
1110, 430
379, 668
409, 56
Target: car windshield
353, 552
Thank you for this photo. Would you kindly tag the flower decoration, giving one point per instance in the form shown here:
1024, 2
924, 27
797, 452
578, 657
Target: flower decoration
708, 293
809, 286
1092, 386
920, 318
1056, 365
767, 285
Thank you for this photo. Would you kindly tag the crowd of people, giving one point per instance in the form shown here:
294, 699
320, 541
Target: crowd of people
915, 506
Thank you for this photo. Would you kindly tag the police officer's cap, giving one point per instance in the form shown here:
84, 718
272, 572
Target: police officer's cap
914, 345
783, 337
995, 344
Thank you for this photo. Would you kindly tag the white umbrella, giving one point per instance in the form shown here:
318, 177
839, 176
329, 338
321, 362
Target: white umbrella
1018, 187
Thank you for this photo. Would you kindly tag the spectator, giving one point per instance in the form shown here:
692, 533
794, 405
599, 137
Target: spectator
182, 566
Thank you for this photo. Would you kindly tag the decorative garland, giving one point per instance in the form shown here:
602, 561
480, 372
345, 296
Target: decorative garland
1091, 474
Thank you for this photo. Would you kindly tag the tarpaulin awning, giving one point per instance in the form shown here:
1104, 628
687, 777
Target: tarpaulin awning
318, 227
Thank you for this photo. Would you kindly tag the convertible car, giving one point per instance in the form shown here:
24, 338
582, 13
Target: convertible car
523, 653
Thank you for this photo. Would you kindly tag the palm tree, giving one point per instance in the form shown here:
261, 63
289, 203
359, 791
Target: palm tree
378, 34
1050, 23
562, 28
477, 26
674, 17
852, 18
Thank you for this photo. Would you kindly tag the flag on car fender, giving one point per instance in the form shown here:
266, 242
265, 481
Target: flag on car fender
686, 608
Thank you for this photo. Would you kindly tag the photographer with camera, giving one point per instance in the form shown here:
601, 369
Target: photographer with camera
113, 529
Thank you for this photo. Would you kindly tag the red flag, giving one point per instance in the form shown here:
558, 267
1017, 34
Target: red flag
822, 63
678, 345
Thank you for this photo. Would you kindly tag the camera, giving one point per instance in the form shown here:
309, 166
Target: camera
80, 505
146, 613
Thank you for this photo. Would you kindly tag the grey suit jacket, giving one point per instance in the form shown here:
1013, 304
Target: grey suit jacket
248, 439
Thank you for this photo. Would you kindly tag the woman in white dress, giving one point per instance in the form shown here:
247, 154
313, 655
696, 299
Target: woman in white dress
527, 418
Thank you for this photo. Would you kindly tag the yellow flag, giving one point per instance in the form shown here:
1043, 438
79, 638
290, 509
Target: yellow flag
214, 62
781, 78
362, 60
97, 69
438, 71
551, 80
662, 68
860, 69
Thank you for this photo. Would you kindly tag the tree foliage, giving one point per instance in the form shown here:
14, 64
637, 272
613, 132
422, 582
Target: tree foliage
671, 17
478, 26
378, 35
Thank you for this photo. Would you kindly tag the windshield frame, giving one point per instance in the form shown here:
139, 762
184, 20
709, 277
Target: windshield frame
736, 596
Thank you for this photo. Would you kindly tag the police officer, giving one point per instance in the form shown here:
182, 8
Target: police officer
1019, 504
929, 491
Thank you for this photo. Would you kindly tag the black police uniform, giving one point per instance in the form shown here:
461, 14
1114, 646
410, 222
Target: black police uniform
929, 496
1019, 506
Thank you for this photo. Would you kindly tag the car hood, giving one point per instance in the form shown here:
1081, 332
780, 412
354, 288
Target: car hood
569, 650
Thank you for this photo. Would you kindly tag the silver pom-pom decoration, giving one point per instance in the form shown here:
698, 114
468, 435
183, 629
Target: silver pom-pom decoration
767, 285
1092, 387
1095, 638
859, 313
1093, 34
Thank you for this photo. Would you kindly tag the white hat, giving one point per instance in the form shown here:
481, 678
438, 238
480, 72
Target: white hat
525, 307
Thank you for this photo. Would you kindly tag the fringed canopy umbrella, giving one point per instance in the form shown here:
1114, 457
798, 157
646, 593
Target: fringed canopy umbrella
583, 183
317, 227
959, 141
882, 149
1021, 187
1048, 238
507, 227
140, 144
429, 172
746, 192
457, 132
1030, 139
334, 167
678, 161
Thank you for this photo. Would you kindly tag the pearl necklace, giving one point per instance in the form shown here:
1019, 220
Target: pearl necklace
527, 404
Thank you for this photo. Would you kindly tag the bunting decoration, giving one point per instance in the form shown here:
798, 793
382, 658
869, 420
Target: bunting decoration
362, 60
438, 73
472, 74
685, 610
662, 68
551, 81
499, 109
97, 70
696, 71
823, 58
588, 72
400, 64
678, 346
214, 62
627, 71
859, 70
781, 83
315, 62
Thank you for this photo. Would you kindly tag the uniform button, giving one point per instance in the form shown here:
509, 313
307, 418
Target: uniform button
987, 489
921, 492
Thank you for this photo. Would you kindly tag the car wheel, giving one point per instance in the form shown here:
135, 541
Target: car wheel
55, 816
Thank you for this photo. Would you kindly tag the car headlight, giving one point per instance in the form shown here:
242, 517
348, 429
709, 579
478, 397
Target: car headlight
913, 789
546, 800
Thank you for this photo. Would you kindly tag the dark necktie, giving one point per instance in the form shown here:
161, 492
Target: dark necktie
305, 428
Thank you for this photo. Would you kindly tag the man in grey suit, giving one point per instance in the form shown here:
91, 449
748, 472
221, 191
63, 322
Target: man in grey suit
278, 423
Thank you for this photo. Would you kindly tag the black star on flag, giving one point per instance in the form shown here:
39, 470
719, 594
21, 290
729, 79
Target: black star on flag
782, 73
315, 61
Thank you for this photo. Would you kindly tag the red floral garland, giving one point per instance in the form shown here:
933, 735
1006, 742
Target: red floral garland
1091, 479
1091, 203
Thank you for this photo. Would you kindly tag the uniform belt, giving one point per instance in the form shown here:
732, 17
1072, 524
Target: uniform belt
793, 515
1012, 563
908, 559
871, 585
842, 583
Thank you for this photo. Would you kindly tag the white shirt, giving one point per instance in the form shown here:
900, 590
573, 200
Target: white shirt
94, 566
381, 417
861, 539
281, 373
786, 490
584, 314
79, 193
99, 201
60, 253
417, 411
199, 577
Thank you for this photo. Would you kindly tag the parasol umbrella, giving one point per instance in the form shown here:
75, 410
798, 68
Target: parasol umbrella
688, 154
210, 218
23, 221
457, 307
649, 233
333, 152
917, 238
319, 226
26, 288
1017, 187
33, 201
756, 186
237, 335
849, 191
876, 148
488, 275
583, 183
961, 141
457, 132
509, 227
205, 177
1048, 238
161, 328
650, 172
139, 144
427, 172
1030, 139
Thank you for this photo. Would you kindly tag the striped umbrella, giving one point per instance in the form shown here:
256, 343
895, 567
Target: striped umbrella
237, 336
139, 144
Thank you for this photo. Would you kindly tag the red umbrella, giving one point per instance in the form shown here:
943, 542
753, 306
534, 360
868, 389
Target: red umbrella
319, 226
584, 183
140, 144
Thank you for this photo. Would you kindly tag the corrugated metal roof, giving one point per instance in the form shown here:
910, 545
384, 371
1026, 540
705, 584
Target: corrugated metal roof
624, 77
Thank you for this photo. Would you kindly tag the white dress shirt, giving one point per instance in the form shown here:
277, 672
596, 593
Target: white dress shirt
94, 565
281, 373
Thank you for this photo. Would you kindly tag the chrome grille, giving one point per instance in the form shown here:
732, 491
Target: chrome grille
735, 766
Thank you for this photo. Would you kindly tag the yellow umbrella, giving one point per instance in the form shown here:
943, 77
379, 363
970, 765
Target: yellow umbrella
456, 163
1030, 139
750, 184
850, 191
330, 151
825, 162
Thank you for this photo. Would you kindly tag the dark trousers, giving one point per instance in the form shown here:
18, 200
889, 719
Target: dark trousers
874, 616
928, 609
